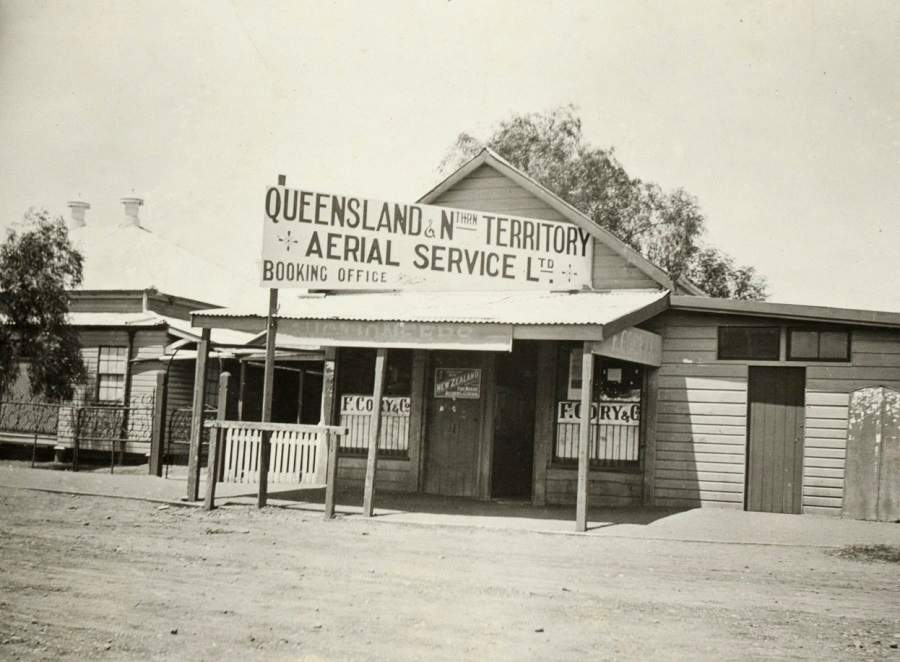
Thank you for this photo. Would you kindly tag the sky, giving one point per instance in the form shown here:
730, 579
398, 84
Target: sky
782, 118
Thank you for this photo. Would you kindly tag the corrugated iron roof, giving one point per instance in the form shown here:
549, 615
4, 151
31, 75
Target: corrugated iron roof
149, 320
135, 258
787, 311
117, 319
583, 307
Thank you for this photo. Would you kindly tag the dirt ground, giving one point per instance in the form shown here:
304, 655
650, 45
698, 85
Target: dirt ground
90, 577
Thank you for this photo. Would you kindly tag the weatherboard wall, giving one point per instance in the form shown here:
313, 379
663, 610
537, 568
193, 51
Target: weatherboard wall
393, 475
701, 424
147, 346
487, 190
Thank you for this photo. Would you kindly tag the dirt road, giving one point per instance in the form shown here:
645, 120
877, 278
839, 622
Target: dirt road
87, 577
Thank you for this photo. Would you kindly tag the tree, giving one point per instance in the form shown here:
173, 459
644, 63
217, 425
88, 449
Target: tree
666, 227
715, 273
38, 265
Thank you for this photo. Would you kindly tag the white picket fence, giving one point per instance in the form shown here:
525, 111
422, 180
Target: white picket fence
298, 454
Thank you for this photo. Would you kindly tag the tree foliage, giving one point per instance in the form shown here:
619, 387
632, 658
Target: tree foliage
37, 266
667, 227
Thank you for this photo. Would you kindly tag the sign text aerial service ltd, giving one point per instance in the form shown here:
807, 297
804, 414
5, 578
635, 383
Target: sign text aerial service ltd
323, 241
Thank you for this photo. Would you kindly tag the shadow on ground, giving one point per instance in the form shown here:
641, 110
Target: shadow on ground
389, 504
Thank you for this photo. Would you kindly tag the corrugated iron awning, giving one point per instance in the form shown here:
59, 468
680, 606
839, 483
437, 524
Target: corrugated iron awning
486, 321
525, 308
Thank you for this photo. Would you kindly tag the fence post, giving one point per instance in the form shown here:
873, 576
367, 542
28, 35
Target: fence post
329, 377
75, 432
158, 433
213, 460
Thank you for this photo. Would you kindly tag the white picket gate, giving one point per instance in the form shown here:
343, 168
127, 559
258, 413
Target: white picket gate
298, 453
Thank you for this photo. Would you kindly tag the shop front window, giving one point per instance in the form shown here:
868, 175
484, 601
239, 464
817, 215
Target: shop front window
615, 411
356, 381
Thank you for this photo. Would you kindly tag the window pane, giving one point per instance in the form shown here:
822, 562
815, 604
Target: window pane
748, 342
398, 381
112, 360
804, 344
574, 388
111, 388
834, 345
618, 381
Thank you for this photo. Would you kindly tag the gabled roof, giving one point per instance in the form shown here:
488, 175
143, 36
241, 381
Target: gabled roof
492, 159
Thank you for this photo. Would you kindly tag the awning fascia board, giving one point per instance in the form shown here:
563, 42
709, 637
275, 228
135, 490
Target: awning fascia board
558, 332
636, 317
634, 345
248, 324
400, 335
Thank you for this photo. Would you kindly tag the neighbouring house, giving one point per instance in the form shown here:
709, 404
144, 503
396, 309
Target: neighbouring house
132, 313
688, 401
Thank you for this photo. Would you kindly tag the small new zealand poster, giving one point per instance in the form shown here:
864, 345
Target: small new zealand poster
460, 383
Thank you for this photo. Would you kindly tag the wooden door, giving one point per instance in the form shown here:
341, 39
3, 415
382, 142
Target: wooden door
775, 439
454, 426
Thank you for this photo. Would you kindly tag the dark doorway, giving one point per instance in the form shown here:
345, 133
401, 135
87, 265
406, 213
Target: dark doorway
453, 438
775, 439
511, 473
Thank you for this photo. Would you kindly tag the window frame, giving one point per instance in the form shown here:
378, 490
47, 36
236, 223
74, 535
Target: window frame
100, 374
562, 384
722, 327
818, 330
399, 363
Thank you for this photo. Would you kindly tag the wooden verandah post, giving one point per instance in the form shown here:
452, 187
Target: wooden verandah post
584, 436
268, 383
193, 481
329, 379
374, 432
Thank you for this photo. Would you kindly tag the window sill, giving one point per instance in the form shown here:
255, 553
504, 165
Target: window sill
631, 468
381, 456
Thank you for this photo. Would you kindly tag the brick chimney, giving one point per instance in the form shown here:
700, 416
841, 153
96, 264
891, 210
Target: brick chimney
131, 211
76, 214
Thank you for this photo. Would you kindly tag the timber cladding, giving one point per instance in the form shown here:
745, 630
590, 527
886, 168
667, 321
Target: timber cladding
392, 476
487, 190
702, 413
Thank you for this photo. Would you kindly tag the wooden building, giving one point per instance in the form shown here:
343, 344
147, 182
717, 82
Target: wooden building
636, 391
133, 327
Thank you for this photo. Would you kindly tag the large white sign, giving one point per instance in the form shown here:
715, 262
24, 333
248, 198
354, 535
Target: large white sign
332, 242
